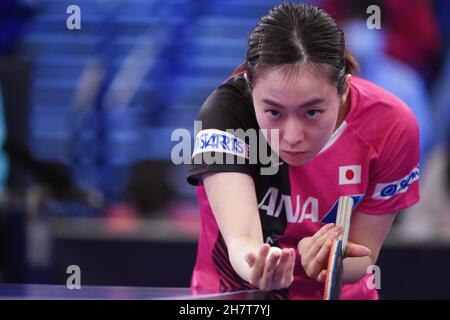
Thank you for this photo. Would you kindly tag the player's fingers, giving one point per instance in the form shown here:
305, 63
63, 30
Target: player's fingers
318, 244
266, 282
258, 267
250, 258
322, 276
281, 268
314, 262
322, 231
321, 258
356, 250
303, 246
288, 274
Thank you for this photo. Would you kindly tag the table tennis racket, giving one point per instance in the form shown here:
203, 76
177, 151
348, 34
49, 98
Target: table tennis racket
333, 281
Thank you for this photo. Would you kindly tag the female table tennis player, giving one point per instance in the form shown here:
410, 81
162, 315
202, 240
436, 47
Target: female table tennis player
338, 135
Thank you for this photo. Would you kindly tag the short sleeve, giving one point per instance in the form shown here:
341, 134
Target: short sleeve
222, 138
394, 176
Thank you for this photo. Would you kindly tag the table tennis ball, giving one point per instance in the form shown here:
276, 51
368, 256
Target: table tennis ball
273, 250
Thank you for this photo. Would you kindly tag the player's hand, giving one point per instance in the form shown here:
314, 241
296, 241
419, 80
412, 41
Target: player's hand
314, 251
271, 268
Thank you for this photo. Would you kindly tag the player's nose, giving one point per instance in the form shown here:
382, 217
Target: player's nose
293, 134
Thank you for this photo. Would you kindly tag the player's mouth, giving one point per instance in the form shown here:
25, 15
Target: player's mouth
294, 154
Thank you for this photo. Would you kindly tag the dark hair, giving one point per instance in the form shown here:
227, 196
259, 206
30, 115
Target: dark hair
298, 34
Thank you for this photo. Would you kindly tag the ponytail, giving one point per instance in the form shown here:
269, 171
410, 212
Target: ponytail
351, 65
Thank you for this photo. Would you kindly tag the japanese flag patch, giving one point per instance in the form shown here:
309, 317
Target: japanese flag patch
350, 174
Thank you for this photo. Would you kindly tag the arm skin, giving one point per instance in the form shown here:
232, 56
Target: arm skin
233, 201
369, 231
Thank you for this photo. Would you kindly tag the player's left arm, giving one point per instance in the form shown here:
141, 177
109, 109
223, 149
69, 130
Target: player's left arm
370, 231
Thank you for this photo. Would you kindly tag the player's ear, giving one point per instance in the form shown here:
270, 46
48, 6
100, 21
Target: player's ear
249, 89
348, 78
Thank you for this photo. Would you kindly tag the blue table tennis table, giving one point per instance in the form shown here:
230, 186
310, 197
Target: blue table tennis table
61, 292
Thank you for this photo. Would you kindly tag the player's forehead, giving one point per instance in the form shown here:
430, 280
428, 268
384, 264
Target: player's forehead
296, 83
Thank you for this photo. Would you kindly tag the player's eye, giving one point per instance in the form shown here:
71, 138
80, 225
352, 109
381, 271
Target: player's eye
273, 114
313, 114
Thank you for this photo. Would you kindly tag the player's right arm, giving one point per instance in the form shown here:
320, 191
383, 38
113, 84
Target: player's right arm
233, 201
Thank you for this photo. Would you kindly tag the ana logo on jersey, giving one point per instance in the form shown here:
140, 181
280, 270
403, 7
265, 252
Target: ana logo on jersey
384, 191
350, 174
273, 207
331, 215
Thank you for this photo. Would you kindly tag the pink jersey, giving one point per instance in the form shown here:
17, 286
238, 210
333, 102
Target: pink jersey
373, 157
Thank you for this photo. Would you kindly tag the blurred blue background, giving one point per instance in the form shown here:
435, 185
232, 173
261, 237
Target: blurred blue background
86, 117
